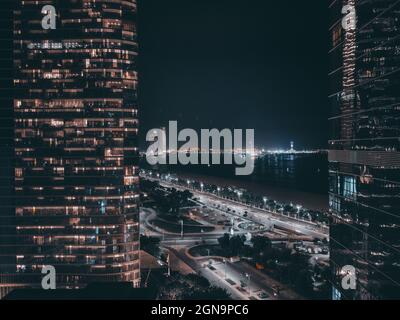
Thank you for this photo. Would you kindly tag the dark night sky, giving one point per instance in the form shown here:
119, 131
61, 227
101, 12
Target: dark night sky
236, 64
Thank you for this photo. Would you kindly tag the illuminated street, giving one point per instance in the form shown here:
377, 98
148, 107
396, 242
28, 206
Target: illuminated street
239, 278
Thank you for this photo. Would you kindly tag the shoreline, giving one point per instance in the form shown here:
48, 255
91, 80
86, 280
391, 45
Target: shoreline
308, 200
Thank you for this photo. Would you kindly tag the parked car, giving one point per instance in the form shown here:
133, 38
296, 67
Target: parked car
263, 295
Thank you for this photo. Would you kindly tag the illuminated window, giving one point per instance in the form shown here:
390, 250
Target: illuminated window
349, 187
18, 172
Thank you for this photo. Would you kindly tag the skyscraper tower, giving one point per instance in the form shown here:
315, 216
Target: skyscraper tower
75, 145
7, 210
364, 157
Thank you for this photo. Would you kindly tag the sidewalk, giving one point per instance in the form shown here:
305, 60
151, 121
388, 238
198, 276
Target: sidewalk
285, 294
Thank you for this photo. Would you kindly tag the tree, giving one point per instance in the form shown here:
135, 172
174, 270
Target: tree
189, 287
197, 281
186, 195
260, 244
171, 203
232, 245
236, 244
224, 241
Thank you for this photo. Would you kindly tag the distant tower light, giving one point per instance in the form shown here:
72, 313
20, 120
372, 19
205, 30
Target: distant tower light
291, 145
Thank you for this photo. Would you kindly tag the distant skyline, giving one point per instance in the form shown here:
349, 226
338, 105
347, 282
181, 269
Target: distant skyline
219, 63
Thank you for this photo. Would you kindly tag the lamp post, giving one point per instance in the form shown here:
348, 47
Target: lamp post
248, 281
298, 207
169, 266
225, 269
181, 229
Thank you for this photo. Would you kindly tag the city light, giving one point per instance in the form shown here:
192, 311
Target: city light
234, 177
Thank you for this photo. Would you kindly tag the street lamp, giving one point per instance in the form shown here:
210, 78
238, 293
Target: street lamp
225, 268
169, 266
219, 190
265, 199
181, 228
248, 281
298, 207
202, 186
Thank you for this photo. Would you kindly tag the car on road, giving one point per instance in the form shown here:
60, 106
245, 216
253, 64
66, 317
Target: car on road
263, 295
276, 289
242, 290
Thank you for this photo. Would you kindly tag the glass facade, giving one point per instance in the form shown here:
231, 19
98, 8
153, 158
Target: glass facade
6, 138
75, 144
364, 157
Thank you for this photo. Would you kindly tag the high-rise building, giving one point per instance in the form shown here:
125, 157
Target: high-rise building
364, 156
75, 155
6, 137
